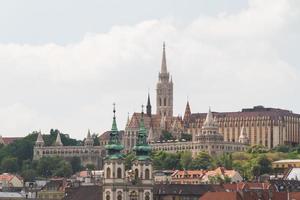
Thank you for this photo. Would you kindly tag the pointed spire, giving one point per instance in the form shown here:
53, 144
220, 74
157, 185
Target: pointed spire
58, 140
148, 107
39, 140
89, 140
243, 138
142, 148
209, 121
187, 112
114, 146
114, 127
164, 61
128, 120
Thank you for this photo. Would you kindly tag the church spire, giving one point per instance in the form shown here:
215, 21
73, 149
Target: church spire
114, 146
142, 148
39, 140
164, 61
148, 107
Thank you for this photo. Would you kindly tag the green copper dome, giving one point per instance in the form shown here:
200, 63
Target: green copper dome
142, 148
114, 146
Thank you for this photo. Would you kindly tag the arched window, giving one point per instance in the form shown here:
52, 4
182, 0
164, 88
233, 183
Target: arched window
147, 174
119, 197
136, 173
165, 101
160, 101
108, 173
119, 173
107, 197
147, 196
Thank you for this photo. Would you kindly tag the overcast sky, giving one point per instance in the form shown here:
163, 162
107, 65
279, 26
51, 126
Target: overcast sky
64, 62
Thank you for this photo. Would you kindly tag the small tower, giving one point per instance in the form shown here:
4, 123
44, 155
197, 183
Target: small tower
149, 107
243, 138
114, 168
58, 140
142, 165
39, 141
187, 115
89, 140
164, 90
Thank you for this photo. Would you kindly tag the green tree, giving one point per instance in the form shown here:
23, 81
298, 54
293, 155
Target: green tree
9, 164
76, 164
165, 135
90, 166
64, 169
265, 165
186, 160
29, 175
202, 161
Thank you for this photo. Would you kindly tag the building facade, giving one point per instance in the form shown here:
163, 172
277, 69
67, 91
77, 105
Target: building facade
88, 153
137, 184
261, 126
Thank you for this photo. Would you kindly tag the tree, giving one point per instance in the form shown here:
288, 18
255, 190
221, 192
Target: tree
9, 164
265, 165
202, 161
90, 167
186, 137
165, 135
64, 169
29, 175
76, 164
186, 160
96, 139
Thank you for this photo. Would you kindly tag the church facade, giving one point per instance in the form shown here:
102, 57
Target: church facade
261, 126
136, 183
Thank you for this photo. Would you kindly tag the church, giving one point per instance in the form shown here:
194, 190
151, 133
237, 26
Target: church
254, 126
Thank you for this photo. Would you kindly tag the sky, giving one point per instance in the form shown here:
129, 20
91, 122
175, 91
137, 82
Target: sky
64, 62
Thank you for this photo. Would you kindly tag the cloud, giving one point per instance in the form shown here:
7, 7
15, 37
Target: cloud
227, 61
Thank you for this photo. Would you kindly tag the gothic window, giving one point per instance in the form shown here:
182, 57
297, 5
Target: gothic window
108, 173
147, 196
107, 197
147, 174
119, 197
119, 173
136, 173
133, 195
165, 101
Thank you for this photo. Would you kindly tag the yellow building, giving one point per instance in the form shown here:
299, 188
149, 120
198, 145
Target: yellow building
285, 164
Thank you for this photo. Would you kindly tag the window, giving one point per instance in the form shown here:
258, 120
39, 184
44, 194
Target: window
119, 173
147, 174
147, 196
108, 173
165, 101
160, 101
119, 197
136, 173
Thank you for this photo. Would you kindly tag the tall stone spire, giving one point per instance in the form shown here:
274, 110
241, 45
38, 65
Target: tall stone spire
148, 107
164, 90
142, 148
209, 121
114, 146
58, 140
164, 61
243, 138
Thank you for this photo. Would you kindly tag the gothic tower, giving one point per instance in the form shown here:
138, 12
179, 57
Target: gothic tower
164, 90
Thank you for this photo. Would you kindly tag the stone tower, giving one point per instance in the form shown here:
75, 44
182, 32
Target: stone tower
164, 90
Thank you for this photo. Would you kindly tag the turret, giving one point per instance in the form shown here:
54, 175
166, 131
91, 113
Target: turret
89, 141
58, 140
39, 141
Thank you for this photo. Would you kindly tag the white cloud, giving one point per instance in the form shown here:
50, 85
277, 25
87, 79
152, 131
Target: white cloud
228, 61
